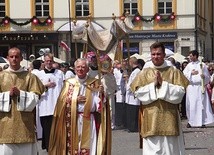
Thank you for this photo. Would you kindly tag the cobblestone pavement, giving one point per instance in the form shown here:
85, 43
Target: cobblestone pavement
198, 141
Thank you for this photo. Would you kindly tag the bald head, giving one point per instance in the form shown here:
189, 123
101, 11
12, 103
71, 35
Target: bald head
14, 57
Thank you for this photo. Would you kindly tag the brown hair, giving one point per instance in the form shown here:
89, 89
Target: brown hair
15, 49
157, 45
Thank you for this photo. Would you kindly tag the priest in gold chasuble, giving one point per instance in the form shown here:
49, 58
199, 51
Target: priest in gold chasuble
81, 123
19, 94
160, 88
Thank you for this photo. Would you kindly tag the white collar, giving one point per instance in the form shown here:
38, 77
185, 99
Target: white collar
81, 80
162, 66
21, 69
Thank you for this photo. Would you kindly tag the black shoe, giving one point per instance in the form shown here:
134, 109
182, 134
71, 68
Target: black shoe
203, 126
126, 130
188, 125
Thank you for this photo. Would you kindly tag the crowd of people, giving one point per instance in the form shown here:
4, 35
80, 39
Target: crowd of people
76, 106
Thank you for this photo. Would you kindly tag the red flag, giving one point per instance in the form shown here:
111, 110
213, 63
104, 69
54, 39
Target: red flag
65, 46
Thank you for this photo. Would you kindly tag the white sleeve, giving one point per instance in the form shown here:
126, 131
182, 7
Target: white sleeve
168, 92
171, 93
5, 105
146, 94
27, 101
187, 72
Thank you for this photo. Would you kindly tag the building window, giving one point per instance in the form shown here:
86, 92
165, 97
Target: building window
131, 6
42, 8
133, 48
2, 8
164, 6
82, 8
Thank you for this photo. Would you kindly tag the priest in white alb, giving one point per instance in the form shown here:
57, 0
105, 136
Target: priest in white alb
198, 106
160, 88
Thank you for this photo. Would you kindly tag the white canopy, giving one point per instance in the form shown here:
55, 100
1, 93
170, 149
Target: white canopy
178, 57
79, 23
145, 56
168, 52
25, 63
103, 40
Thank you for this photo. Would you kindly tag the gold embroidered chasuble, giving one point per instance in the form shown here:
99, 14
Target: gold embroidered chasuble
159, 118
64, 132
18, 126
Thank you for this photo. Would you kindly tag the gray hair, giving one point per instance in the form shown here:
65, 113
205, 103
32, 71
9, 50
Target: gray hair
80, 60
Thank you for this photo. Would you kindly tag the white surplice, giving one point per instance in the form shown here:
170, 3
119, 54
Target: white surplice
130, 98
198, 106
120, 94
48, 99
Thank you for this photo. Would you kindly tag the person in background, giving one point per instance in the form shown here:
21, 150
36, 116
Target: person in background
19, 94
160, 89
183, 65
71, 68
93, 67
178, 65
209, 86
64, 67
120, 108
172, 60
53, 80
198, 107
36, 69
1, 69
56, 65
132, 103
183, 102
109, 82
141, 63
80, 109
107, 78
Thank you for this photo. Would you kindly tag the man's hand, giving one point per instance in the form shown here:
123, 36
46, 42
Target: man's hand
81, 99
158, 79
202, 76
14, 91
50, 84
194, 72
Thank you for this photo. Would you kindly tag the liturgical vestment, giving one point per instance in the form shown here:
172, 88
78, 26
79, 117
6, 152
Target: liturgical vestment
80, 127
160, 121
17, 114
